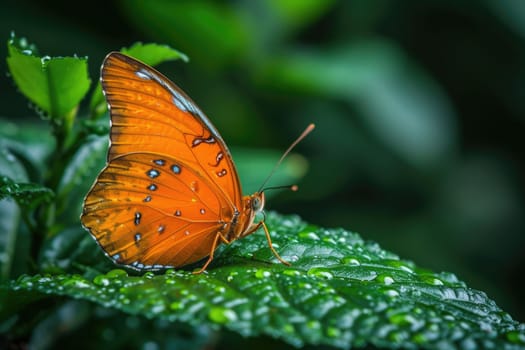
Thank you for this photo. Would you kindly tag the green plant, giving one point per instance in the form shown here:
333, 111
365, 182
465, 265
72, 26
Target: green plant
340, 290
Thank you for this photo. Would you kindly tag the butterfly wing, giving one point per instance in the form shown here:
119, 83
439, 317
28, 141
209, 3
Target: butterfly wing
149, 113
149, 212
170, 184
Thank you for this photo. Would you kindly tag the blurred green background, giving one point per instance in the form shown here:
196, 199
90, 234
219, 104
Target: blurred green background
419, 106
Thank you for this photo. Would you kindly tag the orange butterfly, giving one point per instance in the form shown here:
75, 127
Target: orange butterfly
170, 193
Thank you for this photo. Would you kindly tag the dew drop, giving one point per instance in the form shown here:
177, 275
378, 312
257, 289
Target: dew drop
387, 280
351, 261
321, 273
392, 293
220, 289
262, 273
437, 282
261, 310
288, 328
222, 315
293, 258
290, 272
25, 283
313, 325
231, 276
148, 275
116, 273
516, 337
10, 158
305, 285
333, 332
176, 305
406, 268
309, 235
101, 280
157, 308
77, 283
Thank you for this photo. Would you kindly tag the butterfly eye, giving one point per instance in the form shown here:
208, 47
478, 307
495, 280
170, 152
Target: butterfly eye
257, 204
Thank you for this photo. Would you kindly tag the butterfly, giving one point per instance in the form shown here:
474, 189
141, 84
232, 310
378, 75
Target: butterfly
170, 192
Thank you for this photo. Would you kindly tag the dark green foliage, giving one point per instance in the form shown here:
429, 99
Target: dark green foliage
26, 195
340, 290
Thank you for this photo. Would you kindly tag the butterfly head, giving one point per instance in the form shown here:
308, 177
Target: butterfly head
257, 202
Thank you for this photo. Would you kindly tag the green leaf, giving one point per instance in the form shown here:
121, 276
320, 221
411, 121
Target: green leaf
151, 54
55, 85
78, 176
9, 222
27, 195
397, 101
24, 149
299, 13
154, 54
339, 291
189, 24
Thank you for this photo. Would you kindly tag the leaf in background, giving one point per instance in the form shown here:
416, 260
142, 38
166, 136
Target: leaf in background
25, 148
17, 163
56, 85
78, 176
511, 14
27, 195
402, 106
12, 171
78, 322
154, 54
151, 54
9, 222
339, 291
296, 14
254, 165
189, 24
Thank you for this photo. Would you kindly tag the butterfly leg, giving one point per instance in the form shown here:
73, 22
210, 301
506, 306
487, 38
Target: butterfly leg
210, 258
267, 233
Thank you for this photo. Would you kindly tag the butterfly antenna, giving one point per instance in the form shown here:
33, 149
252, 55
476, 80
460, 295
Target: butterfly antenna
306, 131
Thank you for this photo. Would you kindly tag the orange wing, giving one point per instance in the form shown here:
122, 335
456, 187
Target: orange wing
170, 184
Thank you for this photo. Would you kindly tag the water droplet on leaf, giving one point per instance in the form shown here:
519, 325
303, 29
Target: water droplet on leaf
222, 315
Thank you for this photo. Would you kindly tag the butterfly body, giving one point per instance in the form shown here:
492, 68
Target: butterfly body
170, 193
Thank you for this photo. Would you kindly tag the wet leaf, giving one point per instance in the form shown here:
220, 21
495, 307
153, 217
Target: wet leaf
27, 195
154, 54
340, 291
56, 85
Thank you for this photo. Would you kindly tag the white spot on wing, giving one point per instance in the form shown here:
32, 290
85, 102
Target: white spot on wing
143, 74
